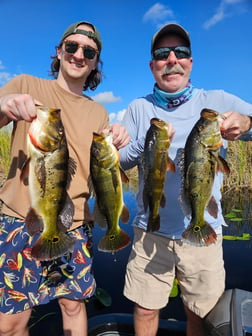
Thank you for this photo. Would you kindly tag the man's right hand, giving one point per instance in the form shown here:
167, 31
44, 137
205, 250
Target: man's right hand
18, 107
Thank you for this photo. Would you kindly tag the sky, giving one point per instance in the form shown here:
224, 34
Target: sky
220, 32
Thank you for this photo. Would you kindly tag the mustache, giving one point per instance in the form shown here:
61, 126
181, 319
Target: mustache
175, 69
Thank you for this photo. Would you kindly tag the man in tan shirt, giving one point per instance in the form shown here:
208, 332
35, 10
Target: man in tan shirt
76, 67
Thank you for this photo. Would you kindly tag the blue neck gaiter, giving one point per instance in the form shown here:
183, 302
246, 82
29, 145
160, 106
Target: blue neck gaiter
170, 100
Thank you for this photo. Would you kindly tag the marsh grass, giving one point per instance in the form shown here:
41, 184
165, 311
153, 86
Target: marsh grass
239, 159
5, 139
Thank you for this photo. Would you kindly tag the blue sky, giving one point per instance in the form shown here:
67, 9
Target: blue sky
220, 32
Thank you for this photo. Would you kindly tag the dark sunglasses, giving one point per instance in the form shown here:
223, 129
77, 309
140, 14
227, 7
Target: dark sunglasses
88, 52
163, 53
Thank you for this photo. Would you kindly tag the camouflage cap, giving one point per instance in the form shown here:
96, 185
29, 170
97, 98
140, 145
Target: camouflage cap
73, 29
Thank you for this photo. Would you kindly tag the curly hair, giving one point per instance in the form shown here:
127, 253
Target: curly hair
94, 78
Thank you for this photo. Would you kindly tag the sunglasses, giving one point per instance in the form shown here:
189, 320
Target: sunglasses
88, 52
163, 53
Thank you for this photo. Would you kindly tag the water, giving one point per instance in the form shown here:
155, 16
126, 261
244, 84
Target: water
109, 269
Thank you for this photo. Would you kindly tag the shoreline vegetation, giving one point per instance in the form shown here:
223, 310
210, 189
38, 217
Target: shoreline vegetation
239, 159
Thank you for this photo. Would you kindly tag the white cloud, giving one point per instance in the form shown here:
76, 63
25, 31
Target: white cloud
106, 98
217, 17
158, 12
4, 75
233, 1
120, 114
224, 10
117, 117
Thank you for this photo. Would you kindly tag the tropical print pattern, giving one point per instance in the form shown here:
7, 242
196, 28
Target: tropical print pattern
26, 282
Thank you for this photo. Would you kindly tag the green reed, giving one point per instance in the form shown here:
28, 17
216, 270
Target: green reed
239, 158
5, 137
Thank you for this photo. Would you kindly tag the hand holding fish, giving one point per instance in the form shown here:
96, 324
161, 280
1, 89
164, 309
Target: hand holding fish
119, 134
19, 107
170, 131
233, 125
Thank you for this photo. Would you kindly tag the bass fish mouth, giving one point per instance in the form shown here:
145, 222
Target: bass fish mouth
210, 114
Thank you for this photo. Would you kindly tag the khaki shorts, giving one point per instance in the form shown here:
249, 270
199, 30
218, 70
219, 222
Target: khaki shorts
155, 261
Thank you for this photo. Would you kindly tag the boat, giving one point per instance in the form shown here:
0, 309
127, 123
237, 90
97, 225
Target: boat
122, 325
232, 316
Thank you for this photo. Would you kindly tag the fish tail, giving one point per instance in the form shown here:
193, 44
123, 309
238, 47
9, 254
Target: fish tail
125, 215
153, 223
47, 248
114, 241
199, 235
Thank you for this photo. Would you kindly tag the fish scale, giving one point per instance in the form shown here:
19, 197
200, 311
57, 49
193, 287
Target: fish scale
156, 162
106, 182
51, 210
202, 161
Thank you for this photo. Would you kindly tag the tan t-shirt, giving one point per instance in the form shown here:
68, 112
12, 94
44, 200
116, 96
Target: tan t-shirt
81, 116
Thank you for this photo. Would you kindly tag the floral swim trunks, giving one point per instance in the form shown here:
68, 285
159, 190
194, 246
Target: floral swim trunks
26, 282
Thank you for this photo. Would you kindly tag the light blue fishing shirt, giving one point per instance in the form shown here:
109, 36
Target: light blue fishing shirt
183, 118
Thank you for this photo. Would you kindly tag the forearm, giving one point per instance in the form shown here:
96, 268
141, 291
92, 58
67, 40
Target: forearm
131, 154
4, 120
247, 135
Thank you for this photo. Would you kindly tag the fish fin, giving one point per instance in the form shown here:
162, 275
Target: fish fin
47, 249
222, 165
114, 241
65, 219
125, 215
182, 198
184, 202
71, 169
124, 176
181, 159
91, 187
146, 197
212, 207
162, 201
115, 181
99, 218
25, 170
40, 171
199, 235
153, 224
33, 222
171, 165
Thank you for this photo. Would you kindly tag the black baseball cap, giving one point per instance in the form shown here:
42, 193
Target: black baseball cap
73, 29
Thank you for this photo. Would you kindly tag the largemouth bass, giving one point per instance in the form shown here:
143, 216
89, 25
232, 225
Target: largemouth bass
51, 208
106, 177
202, 161
156, 162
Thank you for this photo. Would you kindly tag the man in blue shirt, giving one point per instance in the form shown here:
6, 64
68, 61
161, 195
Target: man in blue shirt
158, 257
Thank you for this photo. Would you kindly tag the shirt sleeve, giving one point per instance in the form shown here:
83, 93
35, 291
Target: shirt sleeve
131, 154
